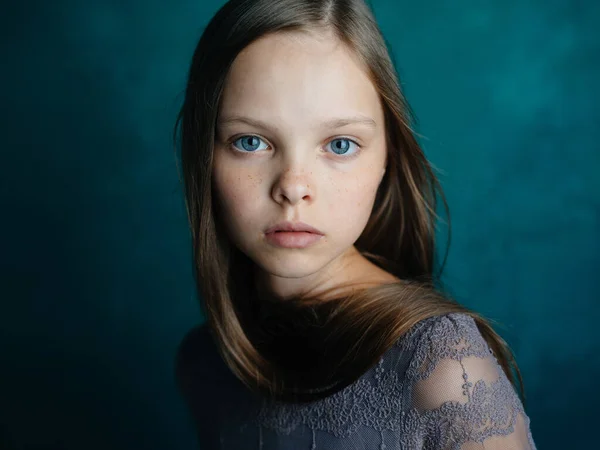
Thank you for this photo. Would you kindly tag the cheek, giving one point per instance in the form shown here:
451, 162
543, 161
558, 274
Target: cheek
238, 194
352, 203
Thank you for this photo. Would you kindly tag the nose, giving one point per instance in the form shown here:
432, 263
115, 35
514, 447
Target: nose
292, 187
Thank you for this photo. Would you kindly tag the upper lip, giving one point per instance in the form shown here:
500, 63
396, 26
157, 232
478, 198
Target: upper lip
292, 226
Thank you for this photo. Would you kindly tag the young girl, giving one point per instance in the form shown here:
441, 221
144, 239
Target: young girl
312, 210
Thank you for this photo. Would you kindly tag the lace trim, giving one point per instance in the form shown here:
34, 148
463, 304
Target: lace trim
491, 410
453, 336
361, 403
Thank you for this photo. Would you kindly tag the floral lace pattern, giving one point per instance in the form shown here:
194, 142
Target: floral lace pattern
439, 387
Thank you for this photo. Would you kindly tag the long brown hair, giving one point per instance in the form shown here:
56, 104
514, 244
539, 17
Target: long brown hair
333, 341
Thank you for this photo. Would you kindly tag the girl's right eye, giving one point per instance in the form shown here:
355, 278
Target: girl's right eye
249, 144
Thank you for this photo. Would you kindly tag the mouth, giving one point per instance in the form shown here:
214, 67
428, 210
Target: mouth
292, 239
291, 227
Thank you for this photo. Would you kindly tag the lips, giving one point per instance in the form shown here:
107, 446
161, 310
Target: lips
293, 226
293, 239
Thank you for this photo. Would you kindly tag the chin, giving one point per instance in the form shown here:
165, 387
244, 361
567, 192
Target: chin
292, 266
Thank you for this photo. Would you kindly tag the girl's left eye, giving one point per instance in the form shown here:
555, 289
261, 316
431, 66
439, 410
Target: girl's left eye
340, 146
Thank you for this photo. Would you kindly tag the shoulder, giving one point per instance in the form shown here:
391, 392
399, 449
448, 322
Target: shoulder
196, 339
452, 362
195, 375
201, 375
196, 357
456, 384
453, 336
444, 326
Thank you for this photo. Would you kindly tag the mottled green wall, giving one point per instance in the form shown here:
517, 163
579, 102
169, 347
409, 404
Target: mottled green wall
97, 288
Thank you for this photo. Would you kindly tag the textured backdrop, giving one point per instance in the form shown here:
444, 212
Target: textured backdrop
97, 287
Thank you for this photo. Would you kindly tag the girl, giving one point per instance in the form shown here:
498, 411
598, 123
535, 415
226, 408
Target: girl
312, 210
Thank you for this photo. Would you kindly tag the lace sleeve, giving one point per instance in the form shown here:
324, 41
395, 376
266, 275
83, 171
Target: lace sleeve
460, 396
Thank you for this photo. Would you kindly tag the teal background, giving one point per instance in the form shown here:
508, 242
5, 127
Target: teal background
97, 284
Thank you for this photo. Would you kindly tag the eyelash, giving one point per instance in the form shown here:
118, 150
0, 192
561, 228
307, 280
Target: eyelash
342, 138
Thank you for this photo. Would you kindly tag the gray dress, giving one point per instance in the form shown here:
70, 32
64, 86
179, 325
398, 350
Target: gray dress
438, 387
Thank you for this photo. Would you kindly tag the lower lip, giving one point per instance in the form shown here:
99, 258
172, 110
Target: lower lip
293, 239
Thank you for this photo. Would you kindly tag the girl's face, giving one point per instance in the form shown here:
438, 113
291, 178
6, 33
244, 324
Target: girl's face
300, 137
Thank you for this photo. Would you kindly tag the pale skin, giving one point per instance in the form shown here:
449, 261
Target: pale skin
290, 102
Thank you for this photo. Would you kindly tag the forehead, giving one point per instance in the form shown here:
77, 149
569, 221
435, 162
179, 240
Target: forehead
295, 75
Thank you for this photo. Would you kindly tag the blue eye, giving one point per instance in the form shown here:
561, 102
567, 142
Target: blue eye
249, 143
341, 145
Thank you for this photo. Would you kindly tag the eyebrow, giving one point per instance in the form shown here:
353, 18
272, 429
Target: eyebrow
331, 124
